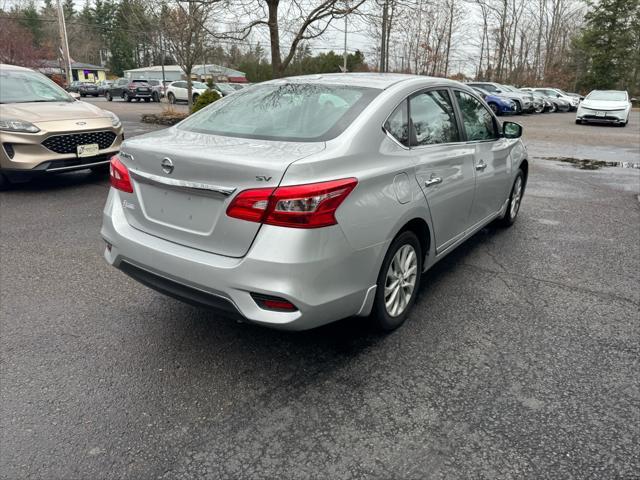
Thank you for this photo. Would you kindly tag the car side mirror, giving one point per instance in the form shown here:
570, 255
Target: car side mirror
74, 95
557, 95
498, 90
634, 99
511, 130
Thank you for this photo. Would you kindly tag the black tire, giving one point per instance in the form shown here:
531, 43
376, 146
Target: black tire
4, 182
95, 95
379, 315
578, 121
126, 97
518, 107
108, 96
82, 95
510, 216
147, 100
171, 97
553, 108
156, 97
494, 108
195, 97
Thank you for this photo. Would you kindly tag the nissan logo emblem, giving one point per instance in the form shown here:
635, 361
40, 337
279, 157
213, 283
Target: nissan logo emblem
167, 165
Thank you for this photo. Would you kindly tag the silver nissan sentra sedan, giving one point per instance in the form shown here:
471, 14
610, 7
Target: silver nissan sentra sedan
304, 200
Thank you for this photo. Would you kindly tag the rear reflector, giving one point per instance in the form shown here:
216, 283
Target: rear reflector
301, 206
277, 304
119, 175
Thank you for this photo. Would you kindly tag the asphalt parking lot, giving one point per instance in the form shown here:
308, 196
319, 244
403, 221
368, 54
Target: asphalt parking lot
519, 361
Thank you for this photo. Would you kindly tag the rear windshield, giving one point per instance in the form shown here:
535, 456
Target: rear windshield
303, 112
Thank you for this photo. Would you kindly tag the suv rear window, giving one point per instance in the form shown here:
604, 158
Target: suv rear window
283, 111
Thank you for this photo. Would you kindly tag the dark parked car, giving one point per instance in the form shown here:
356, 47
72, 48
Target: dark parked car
499, 104
74, 86
88, 88
223, 89
103, 86
130, 90
158, 89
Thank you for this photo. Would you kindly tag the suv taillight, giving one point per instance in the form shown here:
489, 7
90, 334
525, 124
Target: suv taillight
119, 175
302, 206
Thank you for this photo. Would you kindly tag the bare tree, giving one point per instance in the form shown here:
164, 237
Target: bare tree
185, 32
289, 24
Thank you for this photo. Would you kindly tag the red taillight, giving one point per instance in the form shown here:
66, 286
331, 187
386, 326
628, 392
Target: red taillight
119, 175
302, 206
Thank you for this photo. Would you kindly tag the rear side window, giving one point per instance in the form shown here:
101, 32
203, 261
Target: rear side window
432, 119
478, 122
398, 124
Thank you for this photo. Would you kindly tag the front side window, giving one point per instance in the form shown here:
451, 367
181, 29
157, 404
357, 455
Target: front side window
25, 87
432, 119
398, 124
477, 121
487, 86
289, 111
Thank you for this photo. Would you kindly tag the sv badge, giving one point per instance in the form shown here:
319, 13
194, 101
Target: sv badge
262, 178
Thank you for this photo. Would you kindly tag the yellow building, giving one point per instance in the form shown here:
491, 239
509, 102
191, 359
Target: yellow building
79, 71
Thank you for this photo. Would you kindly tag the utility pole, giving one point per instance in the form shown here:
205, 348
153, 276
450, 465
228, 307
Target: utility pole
344, 62
162, 60
65, 43
383, 48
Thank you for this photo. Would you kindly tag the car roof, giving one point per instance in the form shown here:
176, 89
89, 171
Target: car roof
364, 79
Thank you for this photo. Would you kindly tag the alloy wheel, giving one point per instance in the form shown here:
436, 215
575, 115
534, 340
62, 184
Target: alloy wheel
516, 197
400, 280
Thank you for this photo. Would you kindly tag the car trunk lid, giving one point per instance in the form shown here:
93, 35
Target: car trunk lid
184, 182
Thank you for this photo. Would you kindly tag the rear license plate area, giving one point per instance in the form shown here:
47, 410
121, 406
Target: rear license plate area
181, 210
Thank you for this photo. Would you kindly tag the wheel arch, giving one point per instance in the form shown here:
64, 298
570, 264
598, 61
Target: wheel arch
418, 221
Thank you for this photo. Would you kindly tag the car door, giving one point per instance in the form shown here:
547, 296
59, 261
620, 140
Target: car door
491, 156
444, 163
181, 90
118, 87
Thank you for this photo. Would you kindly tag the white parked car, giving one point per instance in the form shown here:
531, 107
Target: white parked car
610, 106
557, 93
177, 91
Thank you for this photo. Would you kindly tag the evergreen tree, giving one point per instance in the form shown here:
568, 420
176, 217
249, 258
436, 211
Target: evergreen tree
31, 21
607, 50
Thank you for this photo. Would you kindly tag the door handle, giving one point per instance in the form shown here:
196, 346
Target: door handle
433, 181
481, 165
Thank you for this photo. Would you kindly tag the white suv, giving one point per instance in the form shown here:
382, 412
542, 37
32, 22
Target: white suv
177, 91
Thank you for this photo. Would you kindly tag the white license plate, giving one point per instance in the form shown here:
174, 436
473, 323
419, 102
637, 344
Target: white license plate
89, 150
599, 114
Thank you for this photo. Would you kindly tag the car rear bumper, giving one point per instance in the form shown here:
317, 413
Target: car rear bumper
317, 270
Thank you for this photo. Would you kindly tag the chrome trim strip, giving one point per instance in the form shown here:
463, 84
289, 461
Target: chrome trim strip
78, 167
191, 187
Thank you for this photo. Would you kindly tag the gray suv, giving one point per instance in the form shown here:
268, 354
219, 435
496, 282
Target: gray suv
301, 201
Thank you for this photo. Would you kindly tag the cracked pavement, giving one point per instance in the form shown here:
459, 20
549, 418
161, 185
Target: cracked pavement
520, 359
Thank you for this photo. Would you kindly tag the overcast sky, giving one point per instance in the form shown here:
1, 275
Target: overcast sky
358, 38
